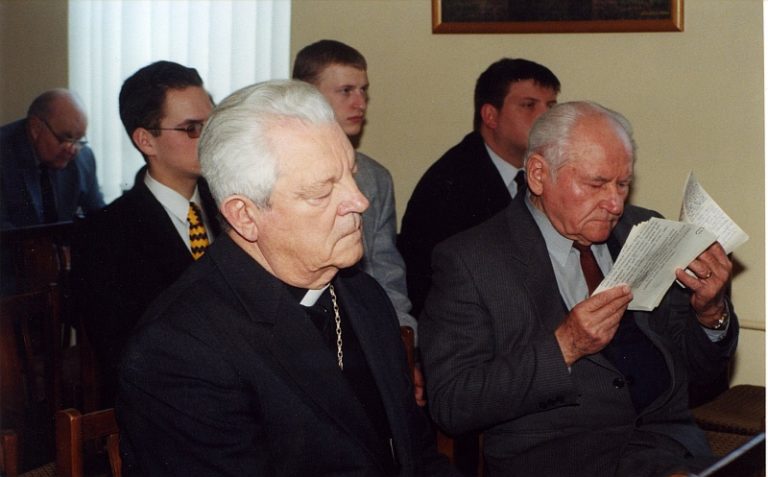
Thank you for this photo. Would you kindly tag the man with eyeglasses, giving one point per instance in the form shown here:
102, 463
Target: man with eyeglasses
47, 171
140, 243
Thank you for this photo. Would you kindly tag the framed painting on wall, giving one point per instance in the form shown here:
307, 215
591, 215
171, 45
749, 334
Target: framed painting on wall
556, 16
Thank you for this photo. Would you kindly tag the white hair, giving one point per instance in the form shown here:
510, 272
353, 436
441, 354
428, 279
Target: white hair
236, 151
550, 136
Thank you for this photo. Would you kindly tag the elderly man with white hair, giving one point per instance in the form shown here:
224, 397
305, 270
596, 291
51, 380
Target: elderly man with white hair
272, 355
563, 381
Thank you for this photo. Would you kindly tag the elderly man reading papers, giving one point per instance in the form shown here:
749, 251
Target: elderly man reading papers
271, 356
563, 382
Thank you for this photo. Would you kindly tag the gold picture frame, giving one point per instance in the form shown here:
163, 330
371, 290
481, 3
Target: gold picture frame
555, 16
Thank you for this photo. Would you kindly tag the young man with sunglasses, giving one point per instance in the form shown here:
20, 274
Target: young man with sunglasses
47, 171
140, 243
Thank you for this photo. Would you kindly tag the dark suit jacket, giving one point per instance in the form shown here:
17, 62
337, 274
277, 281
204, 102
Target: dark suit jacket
461, 190
229, 377
123, 258
492, 363
21, 204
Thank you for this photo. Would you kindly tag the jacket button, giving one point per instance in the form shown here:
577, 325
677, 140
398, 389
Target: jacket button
618, 383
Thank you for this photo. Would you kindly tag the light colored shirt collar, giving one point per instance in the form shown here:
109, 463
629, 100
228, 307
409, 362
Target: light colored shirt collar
508, 171
565, 259
558, 246
177, 208
175, 203
311, 297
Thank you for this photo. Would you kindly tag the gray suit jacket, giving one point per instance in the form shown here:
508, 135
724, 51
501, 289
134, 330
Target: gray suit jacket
381, 258
492, 363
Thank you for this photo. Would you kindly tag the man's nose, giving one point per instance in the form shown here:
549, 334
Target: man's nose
355, 201
69, 151
614, 199
360, 100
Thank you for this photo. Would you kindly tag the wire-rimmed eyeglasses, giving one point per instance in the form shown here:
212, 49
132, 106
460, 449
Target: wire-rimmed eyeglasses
192, 129
76, 143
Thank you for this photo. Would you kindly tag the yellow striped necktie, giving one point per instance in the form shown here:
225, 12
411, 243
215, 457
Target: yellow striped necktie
198, 238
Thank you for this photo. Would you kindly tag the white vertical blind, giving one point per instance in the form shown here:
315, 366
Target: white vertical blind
231, 43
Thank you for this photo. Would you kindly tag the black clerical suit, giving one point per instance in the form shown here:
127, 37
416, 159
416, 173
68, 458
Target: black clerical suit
229, 376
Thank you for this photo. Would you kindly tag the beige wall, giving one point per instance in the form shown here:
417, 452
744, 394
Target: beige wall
695, 99
33, 52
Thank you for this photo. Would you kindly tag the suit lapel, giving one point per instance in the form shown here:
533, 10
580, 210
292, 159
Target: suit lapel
496, 194
308, 362
31, 179
367, 323
153, 220
541, 283
528, 247
295, 344
23, 157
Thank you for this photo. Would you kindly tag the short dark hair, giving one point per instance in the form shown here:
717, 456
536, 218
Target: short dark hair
143, 94
314, 58
493, 84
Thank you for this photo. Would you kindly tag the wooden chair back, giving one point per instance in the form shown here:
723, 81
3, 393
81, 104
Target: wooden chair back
30, 352
37, 256
74, 430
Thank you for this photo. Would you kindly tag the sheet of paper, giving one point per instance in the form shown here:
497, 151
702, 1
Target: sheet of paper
650, 256
699, 208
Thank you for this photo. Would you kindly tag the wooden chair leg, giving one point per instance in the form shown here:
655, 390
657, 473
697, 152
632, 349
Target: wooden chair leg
9, 453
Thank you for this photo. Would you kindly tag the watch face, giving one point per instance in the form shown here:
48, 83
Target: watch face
722, 321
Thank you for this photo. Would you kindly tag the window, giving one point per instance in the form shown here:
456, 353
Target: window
231, 43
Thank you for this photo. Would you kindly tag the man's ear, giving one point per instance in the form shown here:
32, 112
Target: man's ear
144, 140
35, 127
490, 115
537, 173
242, 215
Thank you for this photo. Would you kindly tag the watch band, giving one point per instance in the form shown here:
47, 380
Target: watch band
722, 322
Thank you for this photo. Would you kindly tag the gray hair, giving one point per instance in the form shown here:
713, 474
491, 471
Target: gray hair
550, 136
237, 154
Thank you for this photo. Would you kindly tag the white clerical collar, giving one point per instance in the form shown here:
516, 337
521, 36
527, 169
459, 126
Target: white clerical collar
311, 297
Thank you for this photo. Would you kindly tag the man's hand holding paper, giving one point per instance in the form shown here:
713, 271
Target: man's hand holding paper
592, 323
652, 253
711, 271
656, 251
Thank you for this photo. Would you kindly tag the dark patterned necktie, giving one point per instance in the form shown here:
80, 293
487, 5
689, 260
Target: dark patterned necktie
198, 238
589, 267
521, 182
50, 214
